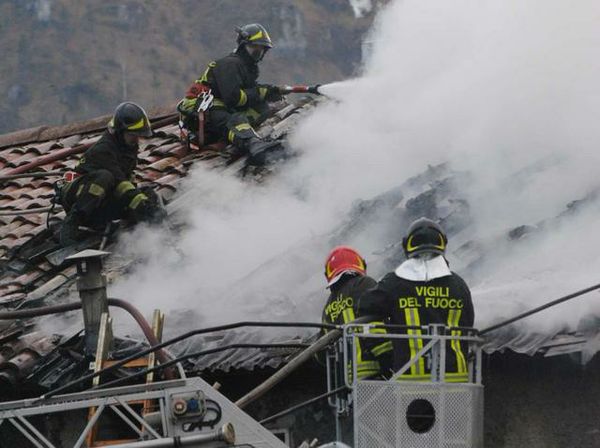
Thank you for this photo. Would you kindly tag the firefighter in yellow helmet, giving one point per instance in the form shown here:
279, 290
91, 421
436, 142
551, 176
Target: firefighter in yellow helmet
103, 189
347, 279
423, 291
240, 102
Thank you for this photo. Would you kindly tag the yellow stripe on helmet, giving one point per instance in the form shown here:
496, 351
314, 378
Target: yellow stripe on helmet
136, 126
256, 36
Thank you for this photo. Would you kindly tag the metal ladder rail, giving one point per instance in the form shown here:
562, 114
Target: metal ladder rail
105, 336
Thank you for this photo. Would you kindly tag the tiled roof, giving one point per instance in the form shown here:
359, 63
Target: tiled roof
163, 161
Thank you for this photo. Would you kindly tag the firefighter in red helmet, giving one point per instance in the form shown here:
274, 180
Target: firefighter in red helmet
347, 279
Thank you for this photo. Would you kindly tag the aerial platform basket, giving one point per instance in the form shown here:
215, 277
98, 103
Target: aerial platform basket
430, 413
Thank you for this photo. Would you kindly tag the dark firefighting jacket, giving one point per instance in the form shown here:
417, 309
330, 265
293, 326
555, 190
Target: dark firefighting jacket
233, 82
341, 308
443, 300
111, 155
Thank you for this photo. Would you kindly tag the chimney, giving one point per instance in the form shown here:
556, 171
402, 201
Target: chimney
91, 285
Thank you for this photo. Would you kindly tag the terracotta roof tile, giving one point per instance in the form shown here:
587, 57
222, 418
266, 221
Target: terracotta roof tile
35, 218
147, 160
30, 277
43, 148
10, 279
17, 204
150, 176
11, 298
163, 164
168, 131
17, 150
8, 242
164, 150
9, 289
170, 181
21, 229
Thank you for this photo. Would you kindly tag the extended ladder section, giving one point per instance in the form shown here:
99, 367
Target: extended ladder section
189, 413
105, 432
430, 411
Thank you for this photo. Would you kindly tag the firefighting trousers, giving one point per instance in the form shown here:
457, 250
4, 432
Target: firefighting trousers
236, 127
97, 198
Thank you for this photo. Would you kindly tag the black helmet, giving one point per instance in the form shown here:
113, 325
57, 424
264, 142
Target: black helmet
129, 117
254, 33
424, 236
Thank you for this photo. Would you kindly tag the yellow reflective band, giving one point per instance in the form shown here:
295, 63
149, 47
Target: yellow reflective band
442, 245
412, 319
79, 190
411, 342
256, 36
348, 315
453, 321
138, 125
380, 349
188, 104
230, 136
243, 127
136, 200
377, 330
123, 188
419, 341
262, 92
204, 77
96, 190
218, 102
410, 247
243, 99
251, 114
450, 377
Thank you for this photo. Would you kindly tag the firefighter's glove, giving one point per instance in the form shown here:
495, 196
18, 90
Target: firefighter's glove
150, 210
270, 93
150, 213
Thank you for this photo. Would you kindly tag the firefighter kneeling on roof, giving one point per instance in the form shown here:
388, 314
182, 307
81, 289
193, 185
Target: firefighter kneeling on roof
103, 189
239, 102
423, 291
347, 279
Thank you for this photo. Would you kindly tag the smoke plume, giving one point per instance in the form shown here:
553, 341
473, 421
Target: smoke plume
507, 91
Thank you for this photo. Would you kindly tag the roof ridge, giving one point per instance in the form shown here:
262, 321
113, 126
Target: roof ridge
44, 132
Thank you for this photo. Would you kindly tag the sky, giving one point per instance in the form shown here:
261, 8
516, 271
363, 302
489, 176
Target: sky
493, 88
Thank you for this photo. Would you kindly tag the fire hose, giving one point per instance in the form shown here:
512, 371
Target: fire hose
56, 309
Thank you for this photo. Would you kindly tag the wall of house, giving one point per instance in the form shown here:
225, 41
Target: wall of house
530, 401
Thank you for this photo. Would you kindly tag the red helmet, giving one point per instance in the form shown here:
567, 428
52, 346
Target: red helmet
343, 259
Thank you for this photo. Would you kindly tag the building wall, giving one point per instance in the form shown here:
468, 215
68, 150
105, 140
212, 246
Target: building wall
532, 402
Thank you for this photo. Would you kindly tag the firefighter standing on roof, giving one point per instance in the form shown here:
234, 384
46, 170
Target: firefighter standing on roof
423, 291
345, 271
104, 189
239, 102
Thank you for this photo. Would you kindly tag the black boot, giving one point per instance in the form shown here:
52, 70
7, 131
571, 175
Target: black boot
69, 231
259, 150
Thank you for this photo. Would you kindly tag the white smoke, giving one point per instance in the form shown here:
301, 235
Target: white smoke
493, 87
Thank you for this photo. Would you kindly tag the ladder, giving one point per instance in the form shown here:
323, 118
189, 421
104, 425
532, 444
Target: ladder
136, 409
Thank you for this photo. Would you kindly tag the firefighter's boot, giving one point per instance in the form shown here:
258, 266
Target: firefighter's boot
258, 150
69, 231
